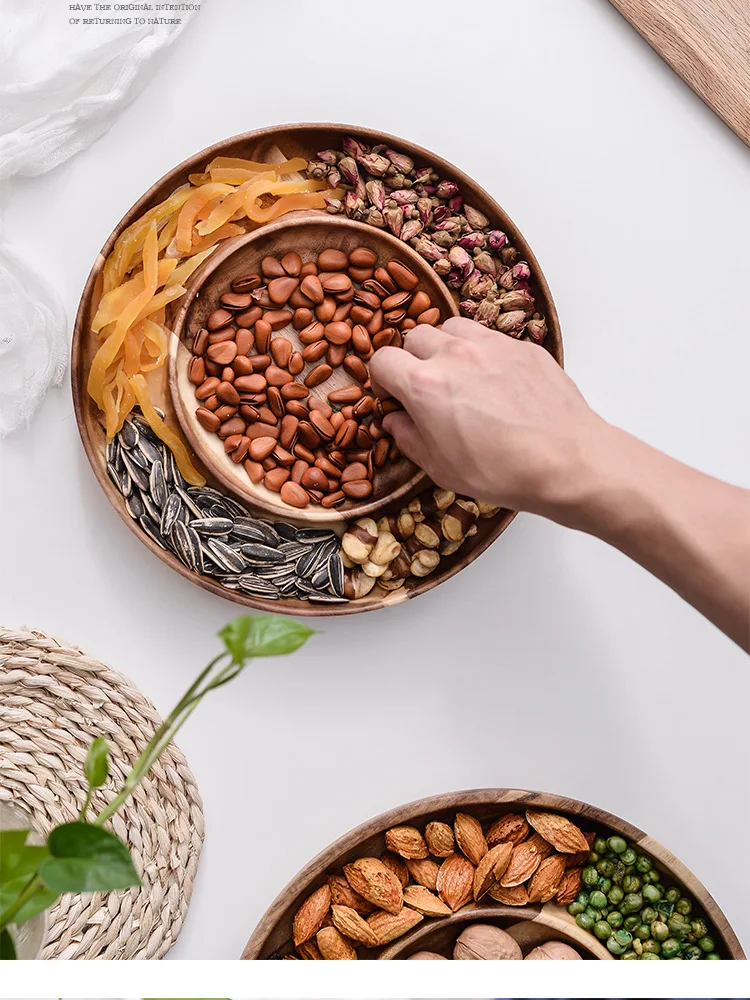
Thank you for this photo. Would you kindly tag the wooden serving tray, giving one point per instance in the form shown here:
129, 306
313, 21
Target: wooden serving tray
266, 145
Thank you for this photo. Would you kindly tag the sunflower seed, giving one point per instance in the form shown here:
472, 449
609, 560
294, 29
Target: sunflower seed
129, 435
170, 513
224, 555
254, 585
313, 535
256, 554
319, 578
157, 485
307, 563
287, 531
134, 506
151, 509
151, 530
188, 501
212, 525
126, 482
112, 449
136, 471
336, 574
255, 531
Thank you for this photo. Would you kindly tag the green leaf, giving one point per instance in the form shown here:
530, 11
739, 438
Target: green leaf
97, 764
7, 948
18, 858
263, 635
12, 889
86, 858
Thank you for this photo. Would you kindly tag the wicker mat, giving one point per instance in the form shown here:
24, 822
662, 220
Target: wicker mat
53, 701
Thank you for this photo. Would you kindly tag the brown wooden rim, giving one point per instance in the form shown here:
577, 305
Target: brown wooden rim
411, 811
302, 609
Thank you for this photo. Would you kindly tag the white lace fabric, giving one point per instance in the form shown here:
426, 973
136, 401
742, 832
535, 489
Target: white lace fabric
61, 87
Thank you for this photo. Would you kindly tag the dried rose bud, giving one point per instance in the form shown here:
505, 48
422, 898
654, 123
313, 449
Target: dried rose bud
353, 148
517, 299
455, 203
484, 263
475, 218
334, 178
460, 258
455, 278
410, 212
496, 240
411, 229
508, 254
423, 175
511, 322
375, 218
404, 196
352, 203
374, 163
424, 207
428, 249
403, 163
536, 330
521, 271
449, 225
317, 169
442, 267
472, 288
394, 182
506, 280
360, 189
444, 239
376, 194
446, 189
468, 308
330, 156
334, 205
348, 170
394, 219
471, 241
442, 212
487, 311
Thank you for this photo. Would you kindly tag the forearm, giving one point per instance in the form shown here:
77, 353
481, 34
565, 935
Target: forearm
688, 529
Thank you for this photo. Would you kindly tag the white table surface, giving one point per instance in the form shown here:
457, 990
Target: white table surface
551, 663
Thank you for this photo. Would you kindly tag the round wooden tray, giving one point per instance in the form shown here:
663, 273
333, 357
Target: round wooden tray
272, 144
274, 930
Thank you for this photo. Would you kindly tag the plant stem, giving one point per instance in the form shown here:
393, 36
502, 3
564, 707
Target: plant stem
29, 890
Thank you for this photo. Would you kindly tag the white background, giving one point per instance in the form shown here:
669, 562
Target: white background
551, 663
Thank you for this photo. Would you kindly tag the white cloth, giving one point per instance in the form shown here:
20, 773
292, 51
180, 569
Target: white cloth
62, 86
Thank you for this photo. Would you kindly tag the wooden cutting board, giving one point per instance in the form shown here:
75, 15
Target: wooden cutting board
707, 43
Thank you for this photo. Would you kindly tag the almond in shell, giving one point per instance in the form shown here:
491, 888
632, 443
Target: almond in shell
558, 831
389, 926
425, 902
397, 865
424, 871
440, 841
352, 925
342, 894
406, 841
376, 883
470, 837
581, 857
309, 951
546, 879
525, 860
513, 896
491, 868
455, 881
310, 916
570, 886
334, 947
511, 826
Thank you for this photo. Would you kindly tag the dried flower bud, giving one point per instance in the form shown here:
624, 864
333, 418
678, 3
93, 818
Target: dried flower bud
334, 178
536, 330
360, 189
506, 280
352, 204
468, 308
455, 203
449, 225
330, 156
410, 212
374, 163
496, 240
423, 175
442, 212
394, 219
521, 271
446, 189
444, 239
375, 218
403, 163
511, 322
517, 299
459, 257
376, 194
442, 267
411, 229
484, 263
508, 254
424, 207
334, 205
475, 218
487, 311
472, 240
473, 287
353, 148
348, 170
317, 169
455, 278
404, 196
428, 249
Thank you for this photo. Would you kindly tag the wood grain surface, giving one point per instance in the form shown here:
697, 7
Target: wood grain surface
274, 930
707, 43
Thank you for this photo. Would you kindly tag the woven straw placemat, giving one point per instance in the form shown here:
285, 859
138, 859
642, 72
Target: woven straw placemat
53, 701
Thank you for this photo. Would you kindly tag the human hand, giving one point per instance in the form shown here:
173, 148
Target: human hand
488, 416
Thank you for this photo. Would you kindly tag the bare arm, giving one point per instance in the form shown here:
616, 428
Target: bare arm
499, 420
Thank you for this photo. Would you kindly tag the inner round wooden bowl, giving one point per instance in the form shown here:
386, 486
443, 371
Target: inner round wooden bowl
274, 930
308, 233
528, 925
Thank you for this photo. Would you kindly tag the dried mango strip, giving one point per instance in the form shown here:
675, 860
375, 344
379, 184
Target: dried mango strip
181, 273
210, 241
131, 240
290, 203
110, 348
164, 433
155, 346
160, 300
237, 163
230, 206
189, 211
114, 302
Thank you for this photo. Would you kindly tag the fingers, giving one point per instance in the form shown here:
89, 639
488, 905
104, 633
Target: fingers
466, 329
391, 371
407, 437
425, 341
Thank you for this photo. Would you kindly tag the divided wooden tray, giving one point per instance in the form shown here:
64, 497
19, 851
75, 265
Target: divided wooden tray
274, 930
264, 144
